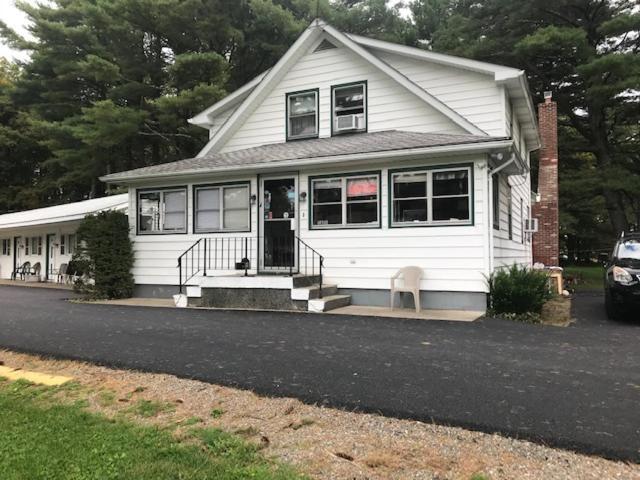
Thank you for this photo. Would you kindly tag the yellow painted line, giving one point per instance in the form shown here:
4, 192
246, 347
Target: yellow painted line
33, 377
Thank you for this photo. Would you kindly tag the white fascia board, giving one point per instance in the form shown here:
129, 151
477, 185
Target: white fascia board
203, 119
418, 91
498, 71
60, 218
518, 88
266, 85
403, 154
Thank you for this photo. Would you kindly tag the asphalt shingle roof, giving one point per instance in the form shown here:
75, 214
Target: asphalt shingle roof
305, 149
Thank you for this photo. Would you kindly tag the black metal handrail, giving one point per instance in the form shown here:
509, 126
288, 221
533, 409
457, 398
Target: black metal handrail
281, 254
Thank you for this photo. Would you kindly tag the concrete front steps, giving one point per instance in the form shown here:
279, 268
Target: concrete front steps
270, 292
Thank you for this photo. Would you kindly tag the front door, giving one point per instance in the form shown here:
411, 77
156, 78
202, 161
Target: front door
279, 223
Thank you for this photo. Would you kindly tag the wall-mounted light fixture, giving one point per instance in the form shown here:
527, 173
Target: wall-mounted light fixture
303, 196
253, 198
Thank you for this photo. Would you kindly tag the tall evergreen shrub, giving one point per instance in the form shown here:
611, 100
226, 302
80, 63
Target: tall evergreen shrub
518, 290
105, 255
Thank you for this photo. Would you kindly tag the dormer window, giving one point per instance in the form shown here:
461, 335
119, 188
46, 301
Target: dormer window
349, 104
302, 115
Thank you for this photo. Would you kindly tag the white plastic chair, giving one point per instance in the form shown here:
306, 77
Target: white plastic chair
411, 277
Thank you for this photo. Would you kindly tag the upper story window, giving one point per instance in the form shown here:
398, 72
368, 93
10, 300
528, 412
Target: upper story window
221, 208
302, 115
431, 197
349, 106
162, 211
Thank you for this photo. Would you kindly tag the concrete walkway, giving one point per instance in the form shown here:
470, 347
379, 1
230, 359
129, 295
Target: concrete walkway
366, 311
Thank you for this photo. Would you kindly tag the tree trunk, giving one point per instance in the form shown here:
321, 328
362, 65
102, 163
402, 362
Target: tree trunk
612, 197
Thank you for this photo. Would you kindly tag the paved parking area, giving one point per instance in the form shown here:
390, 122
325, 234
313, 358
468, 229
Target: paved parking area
575, 387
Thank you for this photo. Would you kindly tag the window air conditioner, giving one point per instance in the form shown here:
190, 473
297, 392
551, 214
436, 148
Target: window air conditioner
349, 122
531, 225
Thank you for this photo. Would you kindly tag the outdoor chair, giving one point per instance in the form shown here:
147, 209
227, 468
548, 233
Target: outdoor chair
62, 276
21, 271
33, 272
411, 277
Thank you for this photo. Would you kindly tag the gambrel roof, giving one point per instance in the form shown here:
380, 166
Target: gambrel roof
249, 96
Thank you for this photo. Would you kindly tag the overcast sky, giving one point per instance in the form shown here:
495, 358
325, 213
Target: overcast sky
15, 19
18, 21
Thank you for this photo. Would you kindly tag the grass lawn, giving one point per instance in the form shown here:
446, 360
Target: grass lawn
587, 277
43, 437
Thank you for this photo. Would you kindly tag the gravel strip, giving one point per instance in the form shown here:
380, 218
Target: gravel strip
327, 443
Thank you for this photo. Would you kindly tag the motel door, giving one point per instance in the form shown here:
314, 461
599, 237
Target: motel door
278, 223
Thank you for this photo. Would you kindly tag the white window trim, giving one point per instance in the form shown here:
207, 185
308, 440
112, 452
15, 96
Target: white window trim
365, 106
6, 247
430, 197
317, 101
343, 202
162, 192
221, 189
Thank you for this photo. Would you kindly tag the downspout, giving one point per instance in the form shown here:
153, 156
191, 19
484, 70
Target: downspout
490, 180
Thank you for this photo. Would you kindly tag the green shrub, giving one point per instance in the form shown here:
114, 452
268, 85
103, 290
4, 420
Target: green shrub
518, 291
104, 256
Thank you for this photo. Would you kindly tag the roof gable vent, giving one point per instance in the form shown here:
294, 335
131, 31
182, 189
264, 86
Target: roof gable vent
324, 45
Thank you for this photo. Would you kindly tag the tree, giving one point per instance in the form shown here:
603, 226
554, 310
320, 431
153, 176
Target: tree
586, 51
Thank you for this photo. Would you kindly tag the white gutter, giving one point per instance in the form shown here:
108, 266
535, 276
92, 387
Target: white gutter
490, 175
373, 156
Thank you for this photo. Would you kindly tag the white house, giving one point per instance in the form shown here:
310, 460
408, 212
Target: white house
371, 155
47, 235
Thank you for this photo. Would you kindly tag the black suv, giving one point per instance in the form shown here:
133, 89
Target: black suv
622, 279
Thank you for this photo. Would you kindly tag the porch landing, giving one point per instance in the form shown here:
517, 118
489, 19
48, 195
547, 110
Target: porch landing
371, 311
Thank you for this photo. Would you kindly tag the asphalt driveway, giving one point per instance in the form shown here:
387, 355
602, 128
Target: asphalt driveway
576, 387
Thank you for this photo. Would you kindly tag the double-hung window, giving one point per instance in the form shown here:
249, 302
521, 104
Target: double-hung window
349, 106
346, 201
6, 246
68, 244
221, 208
34, 246
496, 202
162, 211
510, 212
431, 197
302, 115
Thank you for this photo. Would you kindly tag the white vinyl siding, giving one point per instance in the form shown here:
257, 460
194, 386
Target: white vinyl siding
473, 95
453, 257
508, 251
390, 106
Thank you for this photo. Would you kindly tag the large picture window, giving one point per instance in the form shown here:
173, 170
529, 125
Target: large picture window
221, 208
302, 115
345, 201
431, 197
162, 211
349, 106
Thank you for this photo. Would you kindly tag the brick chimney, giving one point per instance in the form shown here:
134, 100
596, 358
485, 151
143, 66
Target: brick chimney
546, 246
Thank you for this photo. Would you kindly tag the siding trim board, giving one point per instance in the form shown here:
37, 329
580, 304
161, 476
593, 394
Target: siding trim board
450, 166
